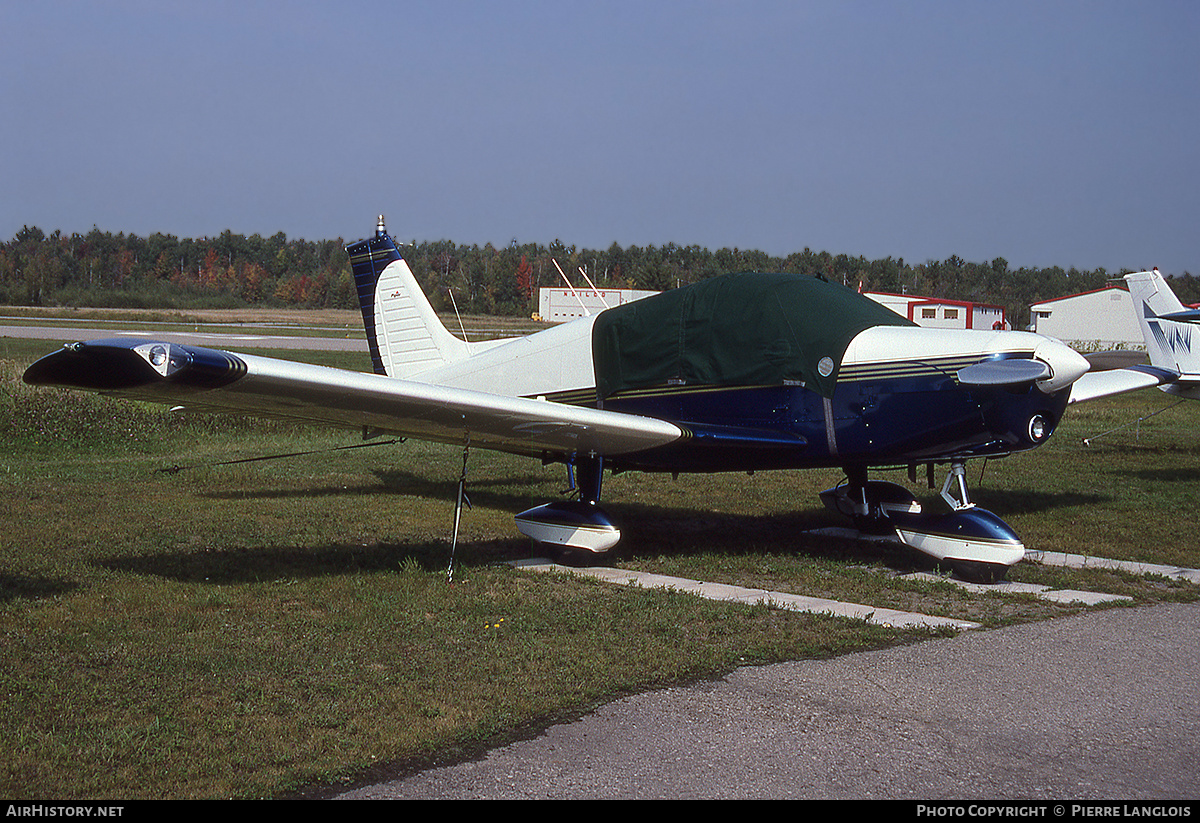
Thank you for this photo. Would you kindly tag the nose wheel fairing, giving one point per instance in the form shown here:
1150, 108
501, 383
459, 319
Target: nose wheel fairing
974, 542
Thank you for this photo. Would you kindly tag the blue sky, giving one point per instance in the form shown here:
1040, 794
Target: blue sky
1048, 133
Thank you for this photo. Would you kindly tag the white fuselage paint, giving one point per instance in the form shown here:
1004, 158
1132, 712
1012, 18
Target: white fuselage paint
548, 362
559, 359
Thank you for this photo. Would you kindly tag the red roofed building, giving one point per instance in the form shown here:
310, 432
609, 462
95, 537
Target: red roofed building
939, 313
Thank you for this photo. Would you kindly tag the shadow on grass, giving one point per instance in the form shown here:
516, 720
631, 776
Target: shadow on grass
22, 587
223, 567
647, 531
1188, 474
487, 492
1032, 501
1137, 449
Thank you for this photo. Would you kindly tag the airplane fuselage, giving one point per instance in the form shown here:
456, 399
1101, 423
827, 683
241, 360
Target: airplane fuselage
898, 401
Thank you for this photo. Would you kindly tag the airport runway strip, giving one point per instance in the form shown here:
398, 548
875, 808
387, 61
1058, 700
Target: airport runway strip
190, 338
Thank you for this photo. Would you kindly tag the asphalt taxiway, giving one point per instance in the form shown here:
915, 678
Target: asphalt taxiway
1098, 706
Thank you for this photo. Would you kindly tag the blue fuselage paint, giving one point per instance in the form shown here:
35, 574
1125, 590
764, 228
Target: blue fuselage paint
883, 423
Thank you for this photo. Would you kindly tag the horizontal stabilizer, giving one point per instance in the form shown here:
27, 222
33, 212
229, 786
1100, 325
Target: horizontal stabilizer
1115, 359
1168, 329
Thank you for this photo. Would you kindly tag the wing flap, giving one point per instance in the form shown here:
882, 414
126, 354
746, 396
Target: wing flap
209, 380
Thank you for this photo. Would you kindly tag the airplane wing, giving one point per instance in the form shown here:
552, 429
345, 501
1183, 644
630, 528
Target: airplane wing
1097, 384
208, 380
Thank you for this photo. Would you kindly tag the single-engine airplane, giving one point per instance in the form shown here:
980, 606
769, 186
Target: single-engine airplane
740, 372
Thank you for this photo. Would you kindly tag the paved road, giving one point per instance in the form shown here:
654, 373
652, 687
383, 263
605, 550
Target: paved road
1098, 706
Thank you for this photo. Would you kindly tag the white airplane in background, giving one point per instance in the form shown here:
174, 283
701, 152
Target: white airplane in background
1171, 332
742, 372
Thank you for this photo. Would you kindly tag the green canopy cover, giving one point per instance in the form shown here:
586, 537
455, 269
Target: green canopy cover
747, 329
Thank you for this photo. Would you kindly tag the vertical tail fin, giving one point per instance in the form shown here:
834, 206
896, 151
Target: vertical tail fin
405, 335
1167, 325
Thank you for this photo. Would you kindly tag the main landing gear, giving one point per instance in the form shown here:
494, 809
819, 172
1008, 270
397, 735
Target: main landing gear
975, 543
579, 531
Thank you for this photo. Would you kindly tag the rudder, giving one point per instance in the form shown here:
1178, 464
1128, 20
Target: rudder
1167, 325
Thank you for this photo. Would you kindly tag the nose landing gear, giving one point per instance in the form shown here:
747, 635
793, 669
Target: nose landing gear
974, 542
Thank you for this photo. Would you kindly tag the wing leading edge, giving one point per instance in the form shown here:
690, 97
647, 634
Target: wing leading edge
209, 380
1094, 385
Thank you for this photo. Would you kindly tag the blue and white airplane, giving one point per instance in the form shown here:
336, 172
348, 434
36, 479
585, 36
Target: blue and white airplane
743, 372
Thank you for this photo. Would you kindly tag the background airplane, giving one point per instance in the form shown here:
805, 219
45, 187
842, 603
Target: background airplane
1170, 330
743, 372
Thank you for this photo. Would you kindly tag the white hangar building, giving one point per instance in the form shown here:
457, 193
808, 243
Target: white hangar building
1101, 319
560, 305
934, 312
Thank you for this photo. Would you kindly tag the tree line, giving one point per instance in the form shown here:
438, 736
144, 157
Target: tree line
100, 269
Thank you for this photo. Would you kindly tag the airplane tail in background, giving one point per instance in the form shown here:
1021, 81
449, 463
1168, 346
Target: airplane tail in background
1168, 327
405, 335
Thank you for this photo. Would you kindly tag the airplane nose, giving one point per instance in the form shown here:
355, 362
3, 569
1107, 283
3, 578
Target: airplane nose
1066, 365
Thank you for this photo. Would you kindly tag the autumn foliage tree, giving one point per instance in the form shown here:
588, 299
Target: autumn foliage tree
102, 269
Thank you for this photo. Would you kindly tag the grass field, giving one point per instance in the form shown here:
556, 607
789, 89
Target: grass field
285, 628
